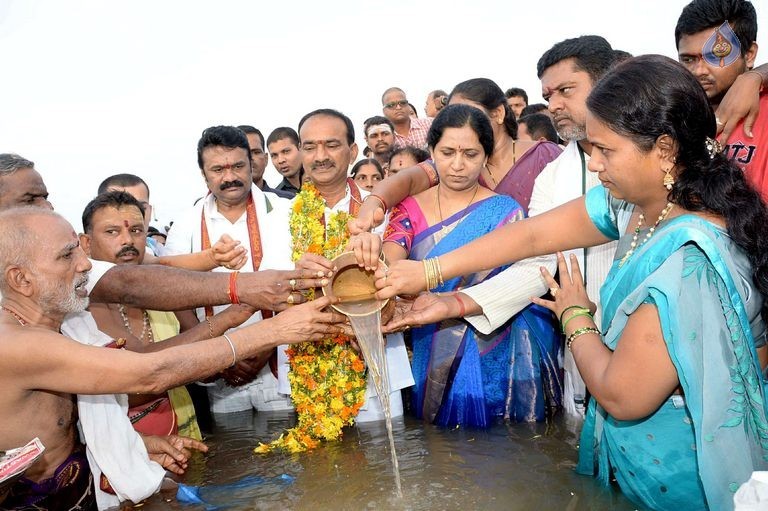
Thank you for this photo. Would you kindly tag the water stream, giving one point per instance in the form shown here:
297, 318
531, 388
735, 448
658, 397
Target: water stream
368, 332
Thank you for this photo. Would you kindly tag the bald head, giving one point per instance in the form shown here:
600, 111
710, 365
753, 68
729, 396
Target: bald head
391, 89
17, 245
41, 260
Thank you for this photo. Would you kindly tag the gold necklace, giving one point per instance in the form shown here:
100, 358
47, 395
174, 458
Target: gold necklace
640, 222
444, 230
146, 329
490, 174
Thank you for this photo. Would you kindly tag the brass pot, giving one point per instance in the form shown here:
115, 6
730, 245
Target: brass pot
354, 286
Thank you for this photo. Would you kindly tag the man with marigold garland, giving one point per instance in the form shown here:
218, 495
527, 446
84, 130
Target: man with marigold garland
326, 380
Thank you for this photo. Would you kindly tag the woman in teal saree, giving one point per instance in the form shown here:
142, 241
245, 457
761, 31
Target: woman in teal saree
683, 295
676, 370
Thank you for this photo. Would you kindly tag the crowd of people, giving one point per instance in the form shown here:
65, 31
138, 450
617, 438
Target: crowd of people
604, 256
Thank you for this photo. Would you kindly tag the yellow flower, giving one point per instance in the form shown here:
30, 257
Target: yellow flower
327, 378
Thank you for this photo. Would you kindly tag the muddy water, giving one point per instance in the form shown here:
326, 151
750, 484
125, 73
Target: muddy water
508, 467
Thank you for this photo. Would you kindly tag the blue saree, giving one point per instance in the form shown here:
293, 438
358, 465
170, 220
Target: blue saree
698, 447
462, 376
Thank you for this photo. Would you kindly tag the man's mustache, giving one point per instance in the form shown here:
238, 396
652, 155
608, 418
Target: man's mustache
325, 163
126, 250
226, 185
83, 280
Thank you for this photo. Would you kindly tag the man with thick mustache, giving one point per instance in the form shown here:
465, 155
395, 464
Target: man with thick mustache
114, 232
328, 147
235, 207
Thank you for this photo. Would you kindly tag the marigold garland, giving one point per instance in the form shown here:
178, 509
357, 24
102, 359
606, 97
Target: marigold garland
328, 378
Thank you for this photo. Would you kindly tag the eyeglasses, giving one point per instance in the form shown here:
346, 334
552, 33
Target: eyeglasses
393, 104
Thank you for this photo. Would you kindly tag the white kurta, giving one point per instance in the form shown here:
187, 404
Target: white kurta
185, 237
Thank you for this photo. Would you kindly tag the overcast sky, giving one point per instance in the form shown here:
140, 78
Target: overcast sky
93, 88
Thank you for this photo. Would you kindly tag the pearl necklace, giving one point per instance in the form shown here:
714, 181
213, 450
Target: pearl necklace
640, 222
145, 327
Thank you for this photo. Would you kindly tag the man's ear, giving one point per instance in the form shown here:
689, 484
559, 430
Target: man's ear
751, 55
354, 150
16, 277
85, 243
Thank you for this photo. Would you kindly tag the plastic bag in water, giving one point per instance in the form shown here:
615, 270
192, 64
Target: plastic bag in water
220, 496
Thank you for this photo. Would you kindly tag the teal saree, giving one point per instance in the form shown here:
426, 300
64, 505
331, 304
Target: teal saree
698, 447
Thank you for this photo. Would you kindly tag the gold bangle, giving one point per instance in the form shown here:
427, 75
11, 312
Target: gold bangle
436, 262
432, 273
210, 327
428, 274
578, 333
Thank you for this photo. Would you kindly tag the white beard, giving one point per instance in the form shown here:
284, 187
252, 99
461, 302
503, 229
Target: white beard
60, 299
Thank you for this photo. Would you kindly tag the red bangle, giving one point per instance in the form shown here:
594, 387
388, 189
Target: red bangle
430, 171
233, 298
378, 197
462, 309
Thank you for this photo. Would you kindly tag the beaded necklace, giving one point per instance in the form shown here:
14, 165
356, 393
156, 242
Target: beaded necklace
640, 222
13, 313
146, 329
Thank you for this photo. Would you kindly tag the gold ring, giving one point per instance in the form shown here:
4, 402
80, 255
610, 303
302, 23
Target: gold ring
553, 291
290, 299
292, 282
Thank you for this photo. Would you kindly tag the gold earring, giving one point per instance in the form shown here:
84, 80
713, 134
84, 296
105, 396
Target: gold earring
668, 179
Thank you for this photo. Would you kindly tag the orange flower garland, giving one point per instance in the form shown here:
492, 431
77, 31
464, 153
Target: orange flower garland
328, 378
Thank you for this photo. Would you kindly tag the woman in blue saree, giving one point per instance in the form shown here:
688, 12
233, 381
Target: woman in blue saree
463, 377
676, 370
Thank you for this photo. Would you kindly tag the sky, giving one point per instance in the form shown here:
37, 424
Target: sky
94, 88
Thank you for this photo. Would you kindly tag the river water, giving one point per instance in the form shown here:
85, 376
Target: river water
508, 467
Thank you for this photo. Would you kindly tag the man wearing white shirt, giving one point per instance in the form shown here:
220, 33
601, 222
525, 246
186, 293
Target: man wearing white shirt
255, 218
328, 147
